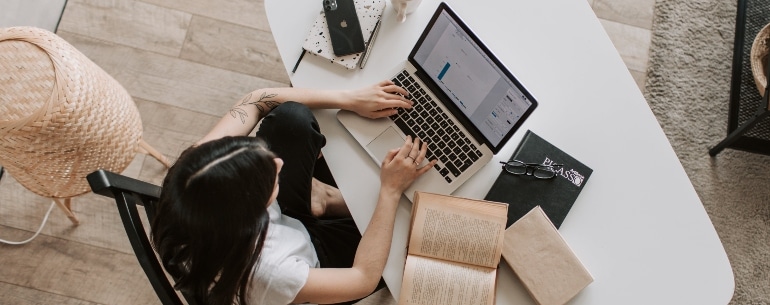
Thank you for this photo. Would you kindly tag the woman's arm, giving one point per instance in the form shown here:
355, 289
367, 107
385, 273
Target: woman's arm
373, 102
332, 285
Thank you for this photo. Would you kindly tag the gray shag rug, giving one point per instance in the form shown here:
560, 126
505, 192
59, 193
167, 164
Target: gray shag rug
688, 86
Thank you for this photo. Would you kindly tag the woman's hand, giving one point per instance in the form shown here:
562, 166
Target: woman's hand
378, 101
333, 285
402, 165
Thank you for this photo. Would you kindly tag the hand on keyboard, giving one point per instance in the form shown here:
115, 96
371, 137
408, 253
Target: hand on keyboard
428, 121
380, 100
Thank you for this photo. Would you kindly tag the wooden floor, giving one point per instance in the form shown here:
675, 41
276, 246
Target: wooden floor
185, 62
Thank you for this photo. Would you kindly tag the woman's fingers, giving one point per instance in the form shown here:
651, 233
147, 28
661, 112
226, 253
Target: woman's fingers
396, 101
388, 85
426, 168
390, 155
406, 149
414, 153
421, 153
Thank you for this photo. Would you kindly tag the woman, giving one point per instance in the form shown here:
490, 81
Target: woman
228, 235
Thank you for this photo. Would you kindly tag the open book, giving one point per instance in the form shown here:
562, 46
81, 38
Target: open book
455, 246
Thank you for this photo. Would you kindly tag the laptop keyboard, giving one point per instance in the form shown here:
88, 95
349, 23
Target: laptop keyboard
426, 120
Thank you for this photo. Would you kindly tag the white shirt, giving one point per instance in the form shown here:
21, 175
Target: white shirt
285, 261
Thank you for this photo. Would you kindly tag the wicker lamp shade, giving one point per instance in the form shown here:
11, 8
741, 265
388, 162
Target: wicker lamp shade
61, 116
759, 52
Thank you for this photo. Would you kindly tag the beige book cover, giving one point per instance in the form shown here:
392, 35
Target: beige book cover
543, 261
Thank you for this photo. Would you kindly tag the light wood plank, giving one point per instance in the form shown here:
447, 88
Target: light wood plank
19, 295
186, 125
640, 77
145, 26
100, 224
171, 130
633, 43
169, 80
20, 208
77, 270
38, 13
636, 13
249, 13
234, 47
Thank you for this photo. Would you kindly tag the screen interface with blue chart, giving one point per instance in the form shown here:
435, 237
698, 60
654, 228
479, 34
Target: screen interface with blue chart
484, 93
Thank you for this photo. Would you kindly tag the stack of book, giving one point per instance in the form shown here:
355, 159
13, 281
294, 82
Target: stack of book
456, 244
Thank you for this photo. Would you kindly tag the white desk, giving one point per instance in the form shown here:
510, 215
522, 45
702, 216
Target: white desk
638, 225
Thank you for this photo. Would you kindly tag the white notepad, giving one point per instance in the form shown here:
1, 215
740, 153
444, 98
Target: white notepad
319, 43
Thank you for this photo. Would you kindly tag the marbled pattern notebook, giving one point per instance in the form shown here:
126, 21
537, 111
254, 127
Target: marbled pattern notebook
319, 43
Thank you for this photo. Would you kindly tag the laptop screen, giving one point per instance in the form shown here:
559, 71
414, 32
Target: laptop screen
478, 85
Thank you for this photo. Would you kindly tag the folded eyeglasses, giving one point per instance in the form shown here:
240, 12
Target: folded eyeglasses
540, 171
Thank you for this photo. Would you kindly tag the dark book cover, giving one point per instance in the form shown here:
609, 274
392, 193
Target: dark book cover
555, 196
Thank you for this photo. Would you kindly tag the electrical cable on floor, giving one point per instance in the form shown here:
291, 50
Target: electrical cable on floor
45, 219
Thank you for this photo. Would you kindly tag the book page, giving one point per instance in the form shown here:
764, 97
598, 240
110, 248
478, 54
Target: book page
458, 229
429, 281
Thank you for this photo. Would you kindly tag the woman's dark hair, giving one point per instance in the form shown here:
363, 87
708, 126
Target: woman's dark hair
212, 217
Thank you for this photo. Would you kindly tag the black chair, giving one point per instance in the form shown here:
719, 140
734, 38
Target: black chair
761, 113
128, 193
748, 126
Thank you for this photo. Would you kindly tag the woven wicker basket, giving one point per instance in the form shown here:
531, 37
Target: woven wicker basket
758, 56
61, 116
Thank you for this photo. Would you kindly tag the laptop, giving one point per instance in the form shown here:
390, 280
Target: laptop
466, 105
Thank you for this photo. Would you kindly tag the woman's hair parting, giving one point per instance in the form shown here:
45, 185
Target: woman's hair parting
212, 218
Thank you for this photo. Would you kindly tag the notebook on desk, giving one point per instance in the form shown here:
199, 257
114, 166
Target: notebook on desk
466, 105
319, 43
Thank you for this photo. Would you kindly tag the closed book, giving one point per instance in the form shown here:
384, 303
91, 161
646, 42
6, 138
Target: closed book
319, 43
543, 261
522, 192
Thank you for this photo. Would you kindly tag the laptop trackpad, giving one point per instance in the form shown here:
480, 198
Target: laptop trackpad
387, 140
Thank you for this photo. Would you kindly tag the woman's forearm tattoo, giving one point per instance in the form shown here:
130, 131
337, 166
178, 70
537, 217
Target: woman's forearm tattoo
264, 104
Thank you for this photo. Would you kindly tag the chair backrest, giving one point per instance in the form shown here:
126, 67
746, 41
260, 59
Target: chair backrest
128, 193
